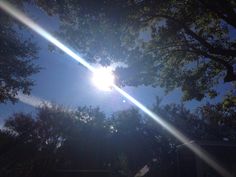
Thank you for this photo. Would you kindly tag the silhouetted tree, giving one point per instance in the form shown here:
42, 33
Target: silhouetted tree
57, 139
16, 59
187, 44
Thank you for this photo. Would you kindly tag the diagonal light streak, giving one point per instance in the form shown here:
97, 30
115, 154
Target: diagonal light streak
33, 100
8, 8
177, 134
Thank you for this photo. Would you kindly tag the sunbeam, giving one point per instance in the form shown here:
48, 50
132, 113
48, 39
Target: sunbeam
33, 100
8, 8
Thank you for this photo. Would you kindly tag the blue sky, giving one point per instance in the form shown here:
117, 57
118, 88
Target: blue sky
66, 82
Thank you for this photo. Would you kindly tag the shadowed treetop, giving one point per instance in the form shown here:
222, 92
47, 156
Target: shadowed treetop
172, 44
16, 59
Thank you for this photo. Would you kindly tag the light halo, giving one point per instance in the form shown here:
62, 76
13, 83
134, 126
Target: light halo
103, 78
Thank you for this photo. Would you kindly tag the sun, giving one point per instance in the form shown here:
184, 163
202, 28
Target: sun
103, 78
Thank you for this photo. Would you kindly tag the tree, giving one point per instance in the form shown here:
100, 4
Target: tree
86, 139
55, 138
89, 27
187, 44
131, 146
16, 59
210, 123
220, 120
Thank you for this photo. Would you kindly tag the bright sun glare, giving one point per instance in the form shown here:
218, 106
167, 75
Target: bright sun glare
103, 78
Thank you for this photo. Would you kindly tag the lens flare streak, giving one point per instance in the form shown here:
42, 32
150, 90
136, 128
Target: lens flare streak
38, 29
177, 134
8, 8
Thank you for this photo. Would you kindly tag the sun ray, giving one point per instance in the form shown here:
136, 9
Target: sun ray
8, 8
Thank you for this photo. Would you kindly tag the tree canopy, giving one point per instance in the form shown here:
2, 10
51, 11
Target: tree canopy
16, 59
173, 44
57, 138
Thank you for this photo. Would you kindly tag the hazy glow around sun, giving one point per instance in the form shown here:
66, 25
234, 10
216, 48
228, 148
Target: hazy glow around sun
103, 78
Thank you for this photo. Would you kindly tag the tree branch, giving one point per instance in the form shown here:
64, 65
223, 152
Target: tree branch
202, 41
230, 75
224, 10
213, 50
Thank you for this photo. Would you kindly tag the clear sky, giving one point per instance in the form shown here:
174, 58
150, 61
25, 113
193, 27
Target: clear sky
64, 81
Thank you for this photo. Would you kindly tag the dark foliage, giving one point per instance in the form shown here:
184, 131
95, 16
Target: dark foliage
173, 44
16, 59
58, 139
